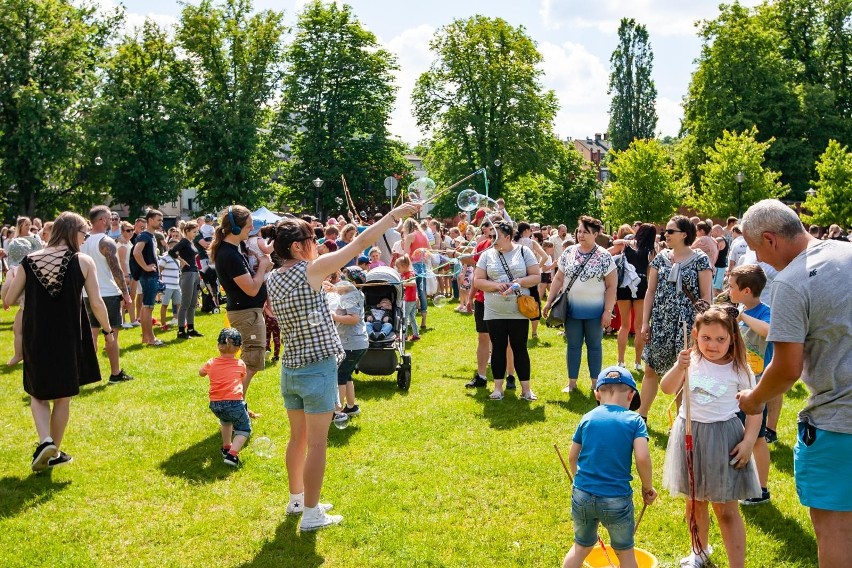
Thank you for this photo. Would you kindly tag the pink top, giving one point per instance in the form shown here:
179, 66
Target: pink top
420, 242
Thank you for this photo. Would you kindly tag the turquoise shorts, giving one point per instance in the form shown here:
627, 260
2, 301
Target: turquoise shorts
312, 388
823, 468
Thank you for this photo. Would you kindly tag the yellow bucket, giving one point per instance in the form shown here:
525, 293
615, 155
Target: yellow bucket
597, 558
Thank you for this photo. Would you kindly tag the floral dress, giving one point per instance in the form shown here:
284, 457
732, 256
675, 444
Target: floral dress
671, 308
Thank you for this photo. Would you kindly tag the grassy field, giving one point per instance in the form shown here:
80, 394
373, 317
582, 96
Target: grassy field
436, 476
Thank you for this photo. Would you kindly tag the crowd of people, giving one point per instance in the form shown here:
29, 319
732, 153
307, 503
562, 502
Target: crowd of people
695, 295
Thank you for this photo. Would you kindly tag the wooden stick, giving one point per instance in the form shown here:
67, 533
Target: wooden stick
565, 465
641, 514
685, 388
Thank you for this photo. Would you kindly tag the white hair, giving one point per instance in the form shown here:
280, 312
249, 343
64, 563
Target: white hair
770, 215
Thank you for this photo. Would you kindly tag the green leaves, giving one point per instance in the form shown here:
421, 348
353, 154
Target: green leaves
832, 202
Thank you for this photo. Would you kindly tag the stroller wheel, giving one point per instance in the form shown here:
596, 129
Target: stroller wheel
403, 378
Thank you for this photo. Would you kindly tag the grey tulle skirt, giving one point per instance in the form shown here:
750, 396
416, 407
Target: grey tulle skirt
715, 479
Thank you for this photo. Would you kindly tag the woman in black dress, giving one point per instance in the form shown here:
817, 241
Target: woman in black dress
59, 356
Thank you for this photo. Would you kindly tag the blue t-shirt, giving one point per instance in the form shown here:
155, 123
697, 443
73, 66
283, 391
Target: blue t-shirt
606, 434
759, 349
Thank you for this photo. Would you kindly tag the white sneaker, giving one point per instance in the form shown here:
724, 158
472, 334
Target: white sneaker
173, 321
315, 518
296, 507
638, 366
696, 560
621, 364
127, 326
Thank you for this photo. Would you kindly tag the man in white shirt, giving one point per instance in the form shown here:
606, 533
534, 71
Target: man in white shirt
557, 240
111, 285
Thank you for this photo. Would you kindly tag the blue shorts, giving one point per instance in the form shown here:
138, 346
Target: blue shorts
312, 388
150, 286
614, 513
719, 278
822, 469
232, 412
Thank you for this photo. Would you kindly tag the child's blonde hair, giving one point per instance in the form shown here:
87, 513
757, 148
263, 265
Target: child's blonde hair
403, 261
726, 316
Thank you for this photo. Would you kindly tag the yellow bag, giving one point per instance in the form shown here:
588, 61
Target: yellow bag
528, 307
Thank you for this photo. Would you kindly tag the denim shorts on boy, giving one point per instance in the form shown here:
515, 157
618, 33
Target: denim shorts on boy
171, 295
149, 284
614, 513
232, 412
344, 371
822, 470
113, 307
312, 388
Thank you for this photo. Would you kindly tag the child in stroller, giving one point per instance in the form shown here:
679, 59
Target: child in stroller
379, 321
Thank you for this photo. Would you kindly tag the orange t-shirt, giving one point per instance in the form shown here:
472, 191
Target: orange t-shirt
226, 376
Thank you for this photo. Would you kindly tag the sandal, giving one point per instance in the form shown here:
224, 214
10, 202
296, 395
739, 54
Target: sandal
496, 395
529, 396
156, 343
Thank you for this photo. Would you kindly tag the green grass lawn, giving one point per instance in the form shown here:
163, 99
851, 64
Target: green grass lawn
436, 476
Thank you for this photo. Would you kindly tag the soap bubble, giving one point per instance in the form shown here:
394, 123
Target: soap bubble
338, 200
439, 300
413, 196
468, 199
341, 421
497, 163
349, 301
99, 161
422, 185
362, 214
263, 447
315, 318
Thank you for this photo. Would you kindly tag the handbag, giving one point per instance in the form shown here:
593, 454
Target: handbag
527, 305
559, 308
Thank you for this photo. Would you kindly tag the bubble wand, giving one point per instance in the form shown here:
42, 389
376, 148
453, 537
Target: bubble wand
349, 202
690, 464
571, 478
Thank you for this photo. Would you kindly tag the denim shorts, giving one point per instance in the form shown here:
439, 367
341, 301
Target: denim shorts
614, 513
232, 412
312, 388
149, 284
822, 469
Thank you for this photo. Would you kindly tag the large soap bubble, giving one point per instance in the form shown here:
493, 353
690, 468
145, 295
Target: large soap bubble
422, 186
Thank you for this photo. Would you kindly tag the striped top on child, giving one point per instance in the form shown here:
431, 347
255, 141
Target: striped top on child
169, 272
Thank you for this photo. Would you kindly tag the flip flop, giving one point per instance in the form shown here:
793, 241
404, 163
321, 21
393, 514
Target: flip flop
157, 343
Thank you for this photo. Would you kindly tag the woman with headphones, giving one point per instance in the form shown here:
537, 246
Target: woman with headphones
246, 290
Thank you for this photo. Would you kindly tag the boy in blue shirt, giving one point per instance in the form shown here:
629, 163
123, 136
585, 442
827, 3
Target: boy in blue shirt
746, 282
600, 459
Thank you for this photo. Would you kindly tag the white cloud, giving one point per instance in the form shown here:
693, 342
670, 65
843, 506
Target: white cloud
579, 78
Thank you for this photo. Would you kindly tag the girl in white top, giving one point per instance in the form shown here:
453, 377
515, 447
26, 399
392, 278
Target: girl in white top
723, 468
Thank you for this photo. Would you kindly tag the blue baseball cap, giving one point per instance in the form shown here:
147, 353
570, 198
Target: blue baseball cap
363, 259
616, 375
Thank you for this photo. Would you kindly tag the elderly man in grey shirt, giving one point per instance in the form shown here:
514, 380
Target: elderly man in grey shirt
811, 329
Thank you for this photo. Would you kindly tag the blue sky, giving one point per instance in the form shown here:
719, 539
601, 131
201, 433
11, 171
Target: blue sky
576, 39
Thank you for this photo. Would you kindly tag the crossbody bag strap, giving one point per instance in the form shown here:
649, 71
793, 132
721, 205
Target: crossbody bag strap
579, 270
506, 266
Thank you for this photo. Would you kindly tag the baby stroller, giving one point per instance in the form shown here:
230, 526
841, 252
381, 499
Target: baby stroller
385, 356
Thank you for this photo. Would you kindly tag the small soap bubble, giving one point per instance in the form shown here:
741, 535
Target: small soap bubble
439, 300
315, 318
263, 447
99, 161
497, 163
341, 421
338, 200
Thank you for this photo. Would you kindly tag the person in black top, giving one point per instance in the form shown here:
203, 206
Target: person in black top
721, 266
145, 254
187, 254
246, 290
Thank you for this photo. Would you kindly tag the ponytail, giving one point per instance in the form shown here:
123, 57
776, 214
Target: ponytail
240, 215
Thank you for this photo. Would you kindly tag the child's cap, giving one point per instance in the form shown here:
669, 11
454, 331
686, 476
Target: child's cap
616, 375
230, 336
363, 259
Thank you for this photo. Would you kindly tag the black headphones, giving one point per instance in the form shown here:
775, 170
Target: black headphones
235, 229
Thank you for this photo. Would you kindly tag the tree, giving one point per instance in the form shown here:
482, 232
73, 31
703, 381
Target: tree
138, 124
632, 111
50, 52
337, 98
832, 202
559, 195
236, 59
645, 186
731, 154
483, 100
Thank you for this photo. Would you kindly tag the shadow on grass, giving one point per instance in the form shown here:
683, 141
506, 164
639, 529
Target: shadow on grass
338, 438
199, 463
289, 548
797, 542
371, 388
577, 402
17, 494
781, 456
510, 412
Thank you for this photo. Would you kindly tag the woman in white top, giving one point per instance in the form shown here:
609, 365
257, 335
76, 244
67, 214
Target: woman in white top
124, 248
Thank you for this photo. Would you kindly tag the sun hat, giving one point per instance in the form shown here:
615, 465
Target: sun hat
256, 226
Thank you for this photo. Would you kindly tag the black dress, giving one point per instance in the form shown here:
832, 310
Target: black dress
59, 355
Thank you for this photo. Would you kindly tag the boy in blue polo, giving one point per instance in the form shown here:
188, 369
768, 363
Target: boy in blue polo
600, 460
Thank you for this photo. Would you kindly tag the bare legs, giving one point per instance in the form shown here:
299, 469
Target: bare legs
306, 453
50, 422
650, 386
18, 332
730, 525
111, 349
834, 540
147, 320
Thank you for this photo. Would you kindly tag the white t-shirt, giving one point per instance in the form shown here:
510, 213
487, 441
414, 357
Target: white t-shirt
519, 259
738, 249
713, 390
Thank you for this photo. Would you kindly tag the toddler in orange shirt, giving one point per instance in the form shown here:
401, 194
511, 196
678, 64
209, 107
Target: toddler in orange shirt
226, 374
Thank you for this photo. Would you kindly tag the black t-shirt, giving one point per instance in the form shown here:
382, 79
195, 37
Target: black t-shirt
149, 254
230, 264
186, 251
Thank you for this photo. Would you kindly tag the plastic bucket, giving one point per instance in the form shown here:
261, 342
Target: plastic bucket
597, 558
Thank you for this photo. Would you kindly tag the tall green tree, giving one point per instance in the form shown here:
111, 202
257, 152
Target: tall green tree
734, 153
236, 59
50, 51
483, 101
645, 186
338, 94
138, 124
632, 111
832, 202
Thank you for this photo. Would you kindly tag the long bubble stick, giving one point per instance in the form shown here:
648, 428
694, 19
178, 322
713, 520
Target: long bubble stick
349, 202
453, 186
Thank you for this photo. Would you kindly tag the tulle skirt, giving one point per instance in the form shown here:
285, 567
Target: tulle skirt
715, 479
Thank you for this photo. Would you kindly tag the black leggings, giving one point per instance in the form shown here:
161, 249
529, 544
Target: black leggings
505, 332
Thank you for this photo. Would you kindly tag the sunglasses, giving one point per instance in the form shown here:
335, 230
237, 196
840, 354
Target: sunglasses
672, 231
128, 230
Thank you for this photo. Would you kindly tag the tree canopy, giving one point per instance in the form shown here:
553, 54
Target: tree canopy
832, 202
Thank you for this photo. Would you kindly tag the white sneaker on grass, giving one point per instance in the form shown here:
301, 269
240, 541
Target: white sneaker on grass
314, 518
697, 560
295, 507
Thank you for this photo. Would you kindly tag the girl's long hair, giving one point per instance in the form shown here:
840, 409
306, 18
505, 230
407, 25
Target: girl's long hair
726, 316
65, 230
241, 216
